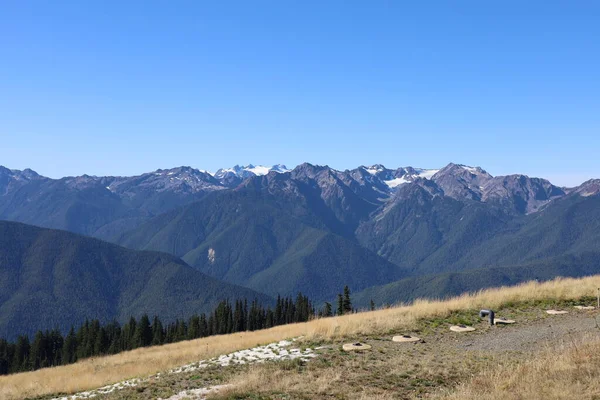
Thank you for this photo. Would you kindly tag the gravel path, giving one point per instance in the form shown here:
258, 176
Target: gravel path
530, 336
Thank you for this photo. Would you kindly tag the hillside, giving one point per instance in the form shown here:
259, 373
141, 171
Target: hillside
51, 278
443, 364
263, 242
445, 285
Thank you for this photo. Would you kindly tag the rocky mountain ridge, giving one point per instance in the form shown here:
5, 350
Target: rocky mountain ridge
108, 206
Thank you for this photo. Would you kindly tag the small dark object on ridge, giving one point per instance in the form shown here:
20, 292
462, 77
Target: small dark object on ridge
489, 313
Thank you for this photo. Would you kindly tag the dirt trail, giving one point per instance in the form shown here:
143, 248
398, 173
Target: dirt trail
533, 335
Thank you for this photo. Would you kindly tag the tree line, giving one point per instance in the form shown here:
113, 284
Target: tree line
50, 348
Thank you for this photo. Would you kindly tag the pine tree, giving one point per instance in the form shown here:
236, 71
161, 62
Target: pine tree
372, 305
340, 304
113, 333
128, 336
157, 332
181, 331
246, 315
69, 355
193, 328
347, 304
93, 333
82, 340
143, 332
327, 311
238, 316
100, 341
4, 358
55, 343
20, 361
203, 326
278, 311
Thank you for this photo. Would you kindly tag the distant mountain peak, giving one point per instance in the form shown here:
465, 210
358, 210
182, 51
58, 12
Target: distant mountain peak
398, 177
248, 171
374, 169
589, 188
460, 168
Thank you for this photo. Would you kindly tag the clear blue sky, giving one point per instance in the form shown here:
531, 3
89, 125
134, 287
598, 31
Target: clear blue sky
124, 87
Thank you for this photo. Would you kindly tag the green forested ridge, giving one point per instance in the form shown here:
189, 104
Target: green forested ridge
266, 243
436, 235
439, 286
55, 279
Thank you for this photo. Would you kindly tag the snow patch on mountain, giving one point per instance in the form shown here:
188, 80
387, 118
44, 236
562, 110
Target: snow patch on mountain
392, 183
409, 175
427, 173
250, 170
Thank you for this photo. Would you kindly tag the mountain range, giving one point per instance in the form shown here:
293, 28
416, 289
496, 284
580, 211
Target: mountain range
390, 234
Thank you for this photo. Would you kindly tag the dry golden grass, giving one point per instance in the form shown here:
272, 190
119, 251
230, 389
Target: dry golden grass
568, 371
97, 372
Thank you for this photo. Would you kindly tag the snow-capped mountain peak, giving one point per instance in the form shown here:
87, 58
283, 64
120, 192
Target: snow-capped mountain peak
249, 170
374, 169
394, 178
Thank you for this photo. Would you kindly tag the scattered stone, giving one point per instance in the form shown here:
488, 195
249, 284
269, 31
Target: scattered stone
556, 312
503, 321
406, 339
271, 352
585, 307
198, 394
356, 347
461, 328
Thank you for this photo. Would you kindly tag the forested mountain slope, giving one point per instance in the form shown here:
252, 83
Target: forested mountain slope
51, 278
262, 241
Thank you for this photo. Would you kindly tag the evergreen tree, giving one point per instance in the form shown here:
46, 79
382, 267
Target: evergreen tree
38, 357
278, 311
4, 358
82, 340
20, 360
143, 332
157, 332
203, 326
327, 311
55, 343
193, 328
101, 342
181, 331
93, 333
238, 316
347, 304
113, 334
340, 305
372, 305
70, 347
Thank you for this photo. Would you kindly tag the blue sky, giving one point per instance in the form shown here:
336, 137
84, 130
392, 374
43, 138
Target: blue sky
124, 87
